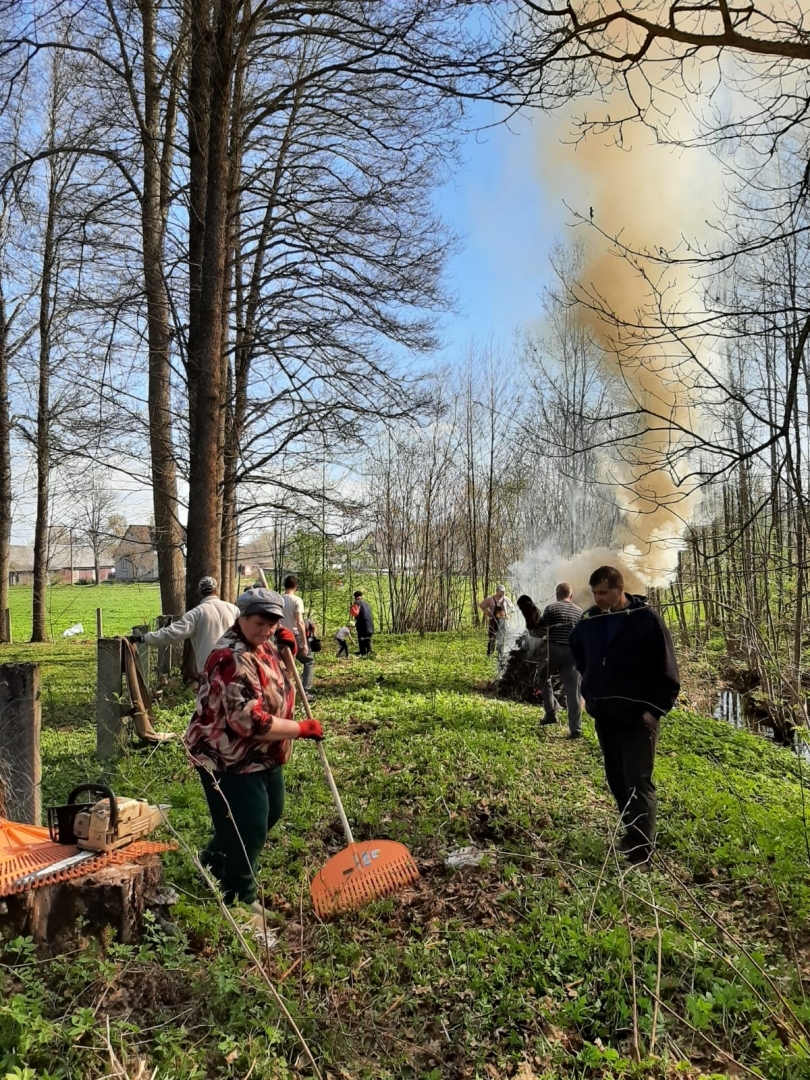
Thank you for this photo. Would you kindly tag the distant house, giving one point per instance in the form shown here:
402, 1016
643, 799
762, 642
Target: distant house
64, 564
136, 557
21, 565
249, 569
78, 564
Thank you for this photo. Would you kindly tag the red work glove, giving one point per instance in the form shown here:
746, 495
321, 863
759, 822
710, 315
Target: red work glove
285, 639
310, 729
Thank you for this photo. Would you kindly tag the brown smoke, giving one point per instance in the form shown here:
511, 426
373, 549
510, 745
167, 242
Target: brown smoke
648, 197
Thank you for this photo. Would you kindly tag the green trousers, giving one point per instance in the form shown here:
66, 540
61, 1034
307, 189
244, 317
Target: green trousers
244, 807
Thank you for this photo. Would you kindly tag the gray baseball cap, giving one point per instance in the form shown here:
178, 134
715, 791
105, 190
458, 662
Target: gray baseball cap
260, 602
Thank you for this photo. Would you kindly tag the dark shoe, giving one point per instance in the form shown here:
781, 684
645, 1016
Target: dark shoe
549, 718
574, 735
643, 867
639, 854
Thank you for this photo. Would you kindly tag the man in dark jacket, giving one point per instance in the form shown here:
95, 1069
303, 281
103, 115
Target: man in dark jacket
561, 617
363, 624
629, 680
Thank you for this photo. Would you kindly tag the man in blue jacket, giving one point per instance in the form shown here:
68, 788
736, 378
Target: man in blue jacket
630, 679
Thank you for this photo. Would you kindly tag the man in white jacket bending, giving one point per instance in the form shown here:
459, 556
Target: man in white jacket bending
204, 625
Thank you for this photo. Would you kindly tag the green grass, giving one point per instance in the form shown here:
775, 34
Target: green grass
527, 965
123, 606
68, 665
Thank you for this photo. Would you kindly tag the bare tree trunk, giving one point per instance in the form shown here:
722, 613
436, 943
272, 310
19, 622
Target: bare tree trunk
229, 441
43, 433
230, 523
5, 467
490, 493
199, 91
472, 499
205, 332
154, 210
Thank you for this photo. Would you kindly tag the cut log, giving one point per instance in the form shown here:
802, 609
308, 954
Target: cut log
114, 898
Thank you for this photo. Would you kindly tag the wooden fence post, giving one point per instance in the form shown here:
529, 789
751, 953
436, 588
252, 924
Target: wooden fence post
143, 651
20, 716
99, 623
163, 667
109, 726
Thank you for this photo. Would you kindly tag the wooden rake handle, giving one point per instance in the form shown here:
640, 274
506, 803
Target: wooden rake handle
344, 821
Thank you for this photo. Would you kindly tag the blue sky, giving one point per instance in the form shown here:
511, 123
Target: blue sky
507, 220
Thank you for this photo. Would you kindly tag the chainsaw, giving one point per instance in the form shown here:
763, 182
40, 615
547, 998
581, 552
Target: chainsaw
105, 824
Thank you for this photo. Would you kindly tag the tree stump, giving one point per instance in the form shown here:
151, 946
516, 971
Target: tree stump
114, 898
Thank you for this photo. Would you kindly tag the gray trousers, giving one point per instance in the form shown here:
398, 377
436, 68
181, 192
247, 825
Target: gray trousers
307, 664
561, 662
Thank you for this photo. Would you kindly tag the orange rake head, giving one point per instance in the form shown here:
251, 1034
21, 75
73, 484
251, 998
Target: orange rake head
360, 873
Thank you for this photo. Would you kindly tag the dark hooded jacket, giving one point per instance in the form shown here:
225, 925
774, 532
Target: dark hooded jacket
364, 620
628, 665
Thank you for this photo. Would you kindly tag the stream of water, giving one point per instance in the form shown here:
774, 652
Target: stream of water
735, 709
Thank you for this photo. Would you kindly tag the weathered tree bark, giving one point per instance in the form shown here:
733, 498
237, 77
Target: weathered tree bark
199, 79
43, 432
246, 303
471, 492
157, 165
5, 468
205, 330
229, 436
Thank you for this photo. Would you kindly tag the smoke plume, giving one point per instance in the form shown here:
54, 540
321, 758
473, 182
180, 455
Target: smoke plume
647, 199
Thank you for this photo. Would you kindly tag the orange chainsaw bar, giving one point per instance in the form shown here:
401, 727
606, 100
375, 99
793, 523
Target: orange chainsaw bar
27, 853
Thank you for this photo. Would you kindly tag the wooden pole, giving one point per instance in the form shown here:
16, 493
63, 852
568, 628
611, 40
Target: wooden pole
164, 652
7, 625
99, 623
143, 650
109, 728
20, 718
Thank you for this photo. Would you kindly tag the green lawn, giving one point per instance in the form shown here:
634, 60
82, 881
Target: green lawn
539, 963
122, 606
68, 665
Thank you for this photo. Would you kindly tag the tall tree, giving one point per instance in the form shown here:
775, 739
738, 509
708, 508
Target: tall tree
205, 329
5, 446
56, 168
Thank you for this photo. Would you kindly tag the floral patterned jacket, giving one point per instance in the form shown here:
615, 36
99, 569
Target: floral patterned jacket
241, 690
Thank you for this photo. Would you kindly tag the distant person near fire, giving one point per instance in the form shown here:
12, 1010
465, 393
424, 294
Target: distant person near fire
202, 625
363, 623
497, 608
629, 681
560, 618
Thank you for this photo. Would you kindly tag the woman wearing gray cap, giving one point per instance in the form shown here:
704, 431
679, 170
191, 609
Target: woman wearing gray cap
239, 739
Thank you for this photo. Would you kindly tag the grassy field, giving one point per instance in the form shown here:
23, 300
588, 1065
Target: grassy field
545, 961
123, 606
68, 665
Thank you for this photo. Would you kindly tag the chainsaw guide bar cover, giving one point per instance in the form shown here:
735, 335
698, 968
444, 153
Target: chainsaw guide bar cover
29, 859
